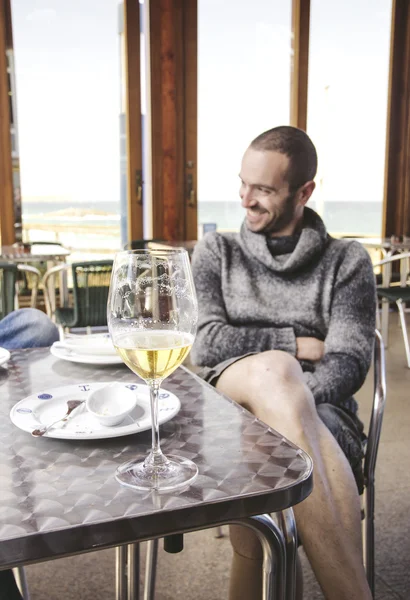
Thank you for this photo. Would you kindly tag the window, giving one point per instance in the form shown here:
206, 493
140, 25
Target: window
244, 53
67, 72
347, 111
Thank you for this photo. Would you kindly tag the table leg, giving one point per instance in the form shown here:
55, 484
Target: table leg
21, 581
133, 571
287, 524
150, 569
120, 572
279, 545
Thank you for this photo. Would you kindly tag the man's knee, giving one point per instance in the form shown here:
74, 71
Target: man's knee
267, 382
278, 365
27, 328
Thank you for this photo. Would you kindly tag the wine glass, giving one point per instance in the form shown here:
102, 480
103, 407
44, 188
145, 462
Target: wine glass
152, 316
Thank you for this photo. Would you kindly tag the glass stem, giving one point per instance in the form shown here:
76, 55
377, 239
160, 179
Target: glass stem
155, 457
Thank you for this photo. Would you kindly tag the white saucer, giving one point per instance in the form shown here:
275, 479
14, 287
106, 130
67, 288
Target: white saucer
93, 343
4, 355
88, 359
46, 406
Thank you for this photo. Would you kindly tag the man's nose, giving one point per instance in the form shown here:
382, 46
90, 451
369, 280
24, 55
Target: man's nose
246, 196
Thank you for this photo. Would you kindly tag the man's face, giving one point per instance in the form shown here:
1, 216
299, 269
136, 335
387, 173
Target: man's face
270, 207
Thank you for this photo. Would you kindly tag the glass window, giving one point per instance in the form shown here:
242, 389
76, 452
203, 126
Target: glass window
347, 111
67, 72
244, 53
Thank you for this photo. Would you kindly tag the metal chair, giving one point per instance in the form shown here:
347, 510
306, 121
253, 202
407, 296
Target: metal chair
373, 439
283, 521
90, 285
9, 288
399, 293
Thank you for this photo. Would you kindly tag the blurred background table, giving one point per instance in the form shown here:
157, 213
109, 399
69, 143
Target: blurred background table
34, 252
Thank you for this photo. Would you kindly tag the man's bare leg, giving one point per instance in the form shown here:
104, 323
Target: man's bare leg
246, 571
271, 386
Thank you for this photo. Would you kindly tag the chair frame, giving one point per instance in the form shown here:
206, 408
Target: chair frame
405, 256
49, 290
376, 421
23, 268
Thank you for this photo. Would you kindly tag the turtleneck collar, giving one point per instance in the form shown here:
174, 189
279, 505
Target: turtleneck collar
302, 248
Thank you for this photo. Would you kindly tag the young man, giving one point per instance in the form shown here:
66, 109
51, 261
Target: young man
286, 328
27, 328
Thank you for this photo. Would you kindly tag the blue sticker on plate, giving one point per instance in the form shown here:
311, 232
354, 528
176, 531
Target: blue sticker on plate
164, 395
132, 386
24, 410
44, 396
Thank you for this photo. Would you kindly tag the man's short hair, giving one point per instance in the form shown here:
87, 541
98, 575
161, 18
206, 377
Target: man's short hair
297, 146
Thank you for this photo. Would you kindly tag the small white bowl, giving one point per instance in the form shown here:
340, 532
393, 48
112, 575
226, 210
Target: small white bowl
111, 403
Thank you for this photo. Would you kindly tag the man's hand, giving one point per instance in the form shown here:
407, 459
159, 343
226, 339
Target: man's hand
309, 348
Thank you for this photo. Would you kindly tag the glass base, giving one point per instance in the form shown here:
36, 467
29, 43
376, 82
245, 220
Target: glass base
177, 472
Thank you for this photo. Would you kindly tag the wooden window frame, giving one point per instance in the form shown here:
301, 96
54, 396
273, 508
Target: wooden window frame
300, 63
133, 127
173, 57
396, 204
7, 229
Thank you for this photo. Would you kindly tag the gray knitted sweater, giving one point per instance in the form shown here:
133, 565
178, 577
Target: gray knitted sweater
257, 293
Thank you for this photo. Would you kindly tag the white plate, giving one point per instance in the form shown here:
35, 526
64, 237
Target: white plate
4, 355
46, 406
87, 359
95, 344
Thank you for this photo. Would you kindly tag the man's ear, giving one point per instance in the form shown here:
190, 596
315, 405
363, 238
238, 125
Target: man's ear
305, 192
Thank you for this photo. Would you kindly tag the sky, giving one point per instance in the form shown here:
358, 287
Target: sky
68, 93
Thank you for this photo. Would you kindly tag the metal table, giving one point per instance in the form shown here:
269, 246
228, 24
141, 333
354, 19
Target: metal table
59, 497
22, 253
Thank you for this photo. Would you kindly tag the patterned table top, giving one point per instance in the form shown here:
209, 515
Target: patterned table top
60, 497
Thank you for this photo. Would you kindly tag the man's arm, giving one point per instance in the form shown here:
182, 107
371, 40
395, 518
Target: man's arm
349, 341
216, 339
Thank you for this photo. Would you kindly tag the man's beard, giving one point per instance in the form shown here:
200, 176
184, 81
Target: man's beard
283, 219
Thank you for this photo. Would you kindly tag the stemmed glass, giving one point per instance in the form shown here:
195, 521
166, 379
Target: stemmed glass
152, 318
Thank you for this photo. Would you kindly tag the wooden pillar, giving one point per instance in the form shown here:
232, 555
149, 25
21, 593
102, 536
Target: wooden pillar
396, 209
6, 169
191, 118
173, 104
299, 63
132, 76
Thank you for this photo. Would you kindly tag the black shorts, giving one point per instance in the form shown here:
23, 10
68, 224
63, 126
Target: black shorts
344, 424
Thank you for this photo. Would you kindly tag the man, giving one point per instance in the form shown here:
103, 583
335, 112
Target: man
27, 328
286, 327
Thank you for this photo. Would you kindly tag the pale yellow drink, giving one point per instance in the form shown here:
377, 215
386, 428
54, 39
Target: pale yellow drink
153, 355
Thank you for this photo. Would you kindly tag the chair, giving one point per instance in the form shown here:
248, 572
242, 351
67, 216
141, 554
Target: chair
9, 288
373, 439
90, 285
140, 244
400, 294
283, 521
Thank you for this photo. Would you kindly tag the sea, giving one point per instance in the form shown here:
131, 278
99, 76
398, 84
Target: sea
97, 227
